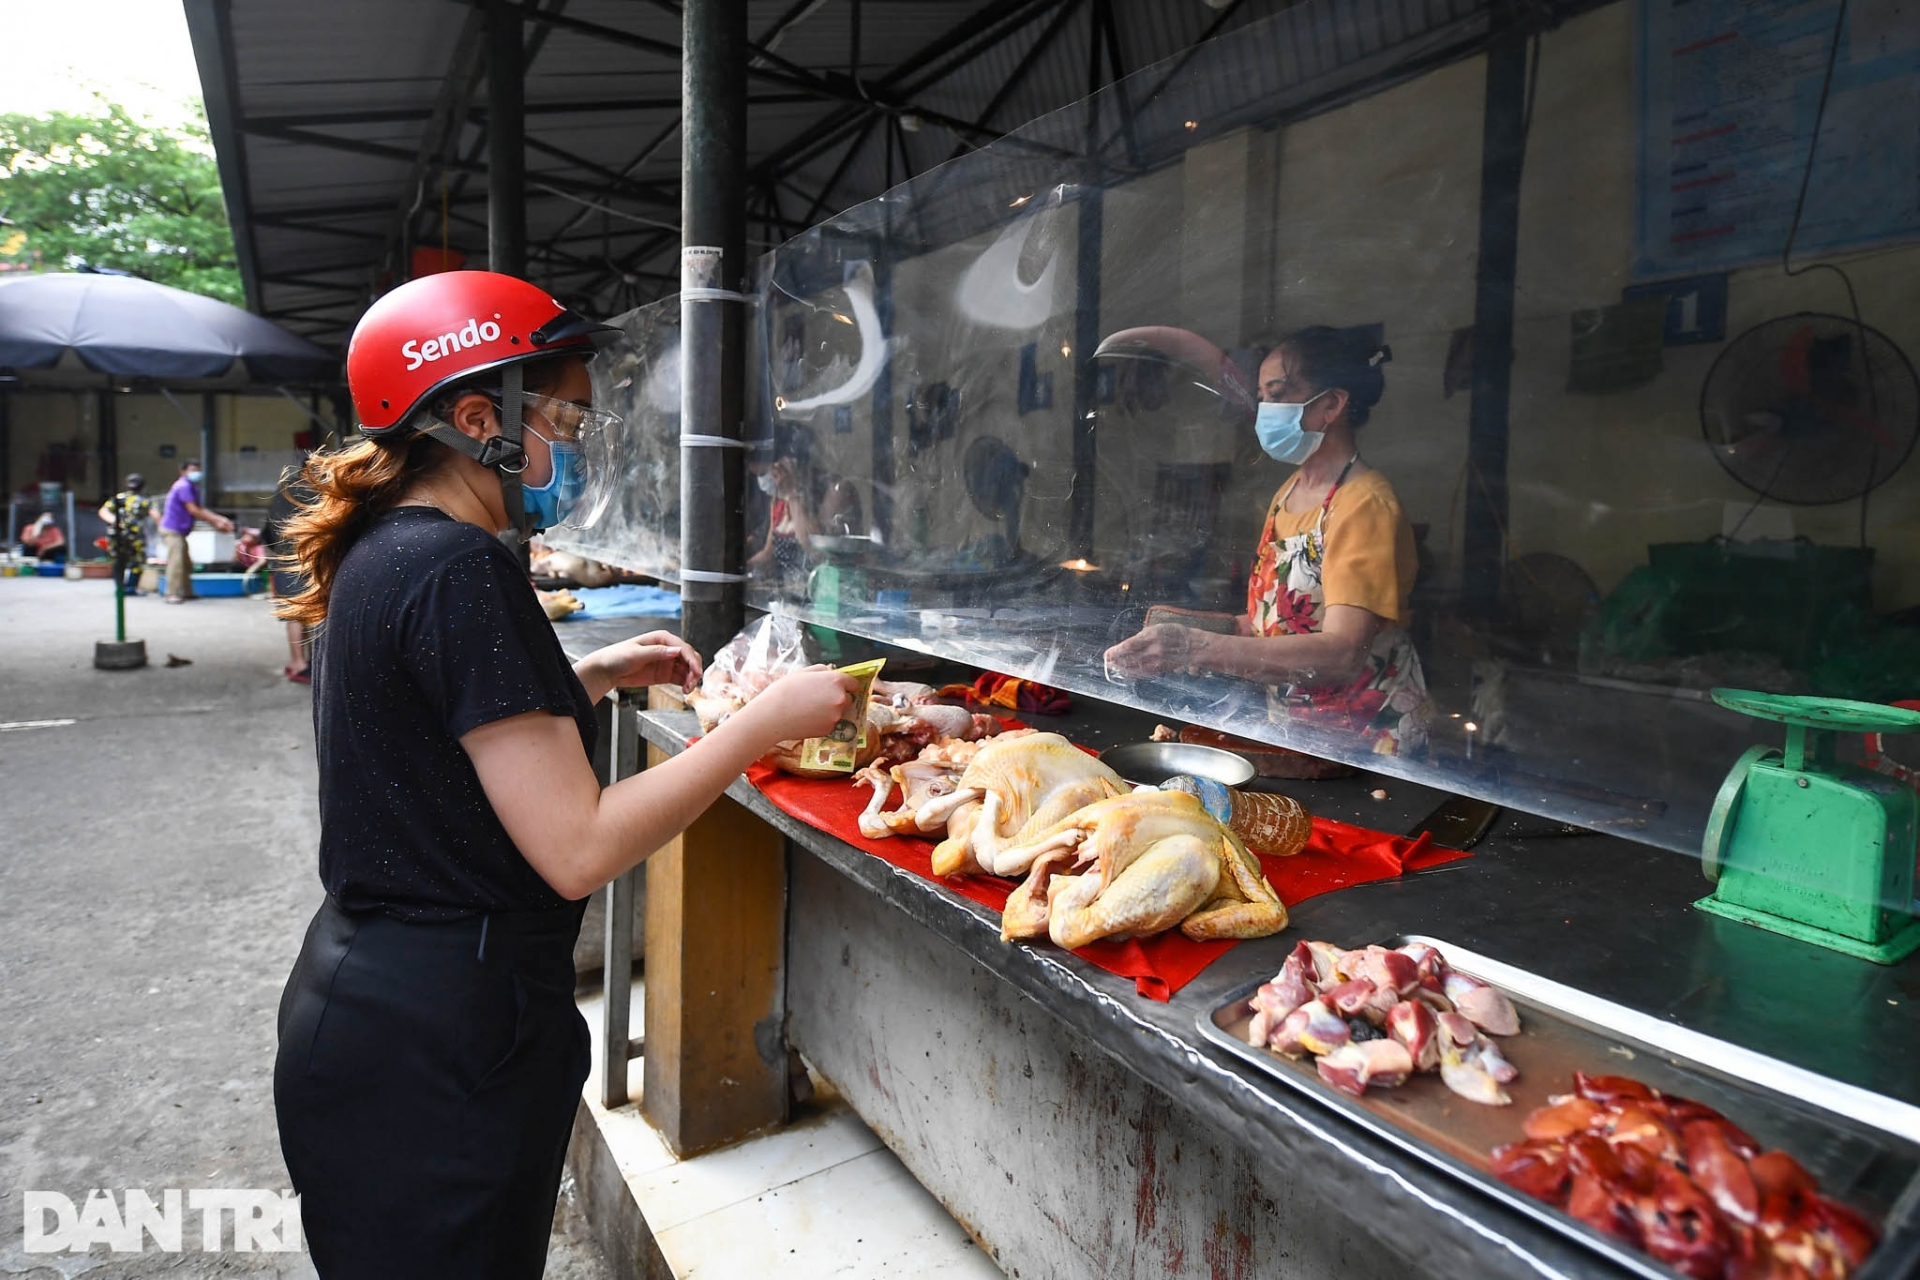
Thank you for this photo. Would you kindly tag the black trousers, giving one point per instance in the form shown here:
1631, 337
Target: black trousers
426, 1085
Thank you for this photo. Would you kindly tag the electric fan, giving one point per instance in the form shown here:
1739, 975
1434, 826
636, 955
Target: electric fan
1811, 409
997, 483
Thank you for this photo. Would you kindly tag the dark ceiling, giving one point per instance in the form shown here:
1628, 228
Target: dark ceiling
352, 132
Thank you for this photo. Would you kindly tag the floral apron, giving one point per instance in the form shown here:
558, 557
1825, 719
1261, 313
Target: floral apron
1386, 704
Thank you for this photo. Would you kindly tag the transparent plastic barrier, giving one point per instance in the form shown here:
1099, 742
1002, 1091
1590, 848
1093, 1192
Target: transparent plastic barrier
629, 514
1007, 409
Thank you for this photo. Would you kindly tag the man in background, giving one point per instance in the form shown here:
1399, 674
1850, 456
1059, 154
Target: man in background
183, 508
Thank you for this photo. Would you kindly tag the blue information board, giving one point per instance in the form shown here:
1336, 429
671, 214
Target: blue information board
1729, 93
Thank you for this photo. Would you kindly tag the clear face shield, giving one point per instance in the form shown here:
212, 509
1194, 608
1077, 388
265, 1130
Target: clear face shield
574, 435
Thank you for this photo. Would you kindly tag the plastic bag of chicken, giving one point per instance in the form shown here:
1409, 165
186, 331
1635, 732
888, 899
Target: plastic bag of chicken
764, 650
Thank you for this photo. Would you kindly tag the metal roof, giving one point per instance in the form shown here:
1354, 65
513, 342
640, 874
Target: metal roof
351, 132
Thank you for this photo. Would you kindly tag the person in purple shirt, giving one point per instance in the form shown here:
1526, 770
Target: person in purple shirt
176, 522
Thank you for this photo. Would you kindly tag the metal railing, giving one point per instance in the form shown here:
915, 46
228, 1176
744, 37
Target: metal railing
618, 1045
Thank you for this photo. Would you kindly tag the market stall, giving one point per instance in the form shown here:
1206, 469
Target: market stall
1078, 1127
1355, 389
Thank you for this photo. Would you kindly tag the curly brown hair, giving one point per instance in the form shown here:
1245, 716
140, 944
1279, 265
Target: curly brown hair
350, 487
353, 486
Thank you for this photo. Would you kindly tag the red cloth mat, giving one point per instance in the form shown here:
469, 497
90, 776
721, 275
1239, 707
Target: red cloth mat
1337, 856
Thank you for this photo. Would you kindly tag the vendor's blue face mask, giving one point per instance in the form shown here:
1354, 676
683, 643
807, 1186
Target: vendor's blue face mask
196, 476
1280, 432
548, 503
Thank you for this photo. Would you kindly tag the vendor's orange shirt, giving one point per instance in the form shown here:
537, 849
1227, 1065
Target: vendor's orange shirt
1370, 558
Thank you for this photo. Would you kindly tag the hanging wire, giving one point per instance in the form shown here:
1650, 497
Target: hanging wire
1853, 299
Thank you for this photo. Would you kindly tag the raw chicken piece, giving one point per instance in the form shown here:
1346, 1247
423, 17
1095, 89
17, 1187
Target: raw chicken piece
1156, 892
1468, 1078
1025, 915
1349, 998
1457, 1029
1294, 982
1408, 994
1326, 958
1025, 787
1412, 1024
1324, 1030
929, 788
1486, 1054
1155, 859
1352, 1067
1391, 972
1312, 1028
1484, 1006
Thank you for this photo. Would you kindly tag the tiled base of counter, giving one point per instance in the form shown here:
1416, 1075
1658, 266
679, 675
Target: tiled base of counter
820, 1197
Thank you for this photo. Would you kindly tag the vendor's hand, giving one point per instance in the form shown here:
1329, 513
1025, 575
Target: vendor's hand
223, 524
801, 704
1154, 651
658, 657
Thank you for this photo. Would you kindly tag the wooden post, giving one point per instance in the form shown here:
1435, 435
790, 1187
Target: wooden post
715, 1039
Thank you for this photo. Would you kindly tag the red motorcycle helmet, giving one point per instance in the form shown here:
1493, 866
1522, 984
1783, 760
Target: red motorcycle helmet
419, 340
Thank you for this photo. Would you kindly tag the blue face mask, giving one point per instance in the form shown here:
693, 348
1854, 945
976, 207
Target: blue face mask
549, 503
196, 476
1280, 432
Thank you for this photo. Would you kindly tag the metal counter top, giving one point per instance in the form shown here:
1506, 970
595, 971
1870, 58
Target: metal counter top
581, 636
1594, 912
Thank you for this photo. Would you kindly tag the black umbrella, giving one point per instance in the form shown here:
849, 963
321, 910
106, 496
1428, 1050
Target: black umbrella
132, 328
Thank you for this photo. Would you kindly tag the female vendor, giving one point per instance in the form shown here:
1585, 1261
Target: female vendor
1325, 626
431, 1056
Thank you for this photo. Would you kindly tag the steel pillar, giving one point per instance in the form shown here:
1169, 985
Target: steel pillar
107, 449
1503, 146
713, 240
506, 141
1086, 337
208, 410
6, 450
883, 392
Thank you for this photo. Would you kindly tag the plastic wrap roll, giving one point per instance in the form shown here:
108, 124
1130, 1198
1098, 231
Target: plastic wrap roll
1277, 826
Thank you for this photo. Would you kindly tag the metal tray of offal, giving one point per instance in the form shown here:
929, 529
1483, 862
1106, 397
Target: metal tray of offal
1862, 1148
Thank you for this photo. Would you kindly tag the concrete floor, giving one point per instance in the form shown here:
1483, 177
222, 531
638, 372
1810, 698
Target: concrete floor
156, 876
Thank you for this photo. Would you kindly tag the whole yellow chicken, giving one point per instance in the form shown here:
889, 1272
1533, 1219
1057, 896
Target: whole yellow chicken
1138, 864
1014, 789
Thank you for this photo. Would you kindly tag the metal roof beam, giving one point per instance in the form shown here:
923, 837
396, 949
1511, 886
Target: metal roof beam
380, 150
348, 209
1025, 66
794, 14
443, 133
477, 112
212, 36
1180, 64
315, 310
1008, 16
308, 282
317, 228
981, 31
650, 192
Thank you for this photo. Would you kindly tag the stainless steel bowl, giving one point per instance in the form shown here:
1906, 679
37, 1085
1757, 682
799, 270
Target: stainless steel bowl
1152, 763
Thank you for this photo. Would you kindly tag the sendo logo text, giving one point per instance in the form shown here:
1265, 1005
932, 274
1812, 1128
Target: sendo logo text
471, 334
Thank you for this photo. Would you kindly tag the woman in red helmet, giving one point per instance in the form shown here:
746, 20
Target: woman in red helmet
431, 1057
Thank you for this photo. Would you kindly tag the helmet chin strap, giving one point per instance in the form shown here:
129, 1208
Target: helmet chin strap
505, 453
519, 520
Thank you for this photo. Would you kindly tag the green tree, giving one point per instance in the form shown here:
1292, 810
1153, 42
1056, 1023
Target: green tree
107, 190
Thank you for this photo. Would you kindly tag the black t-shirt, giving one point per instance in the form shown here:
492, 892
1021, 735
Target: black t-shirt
432, 630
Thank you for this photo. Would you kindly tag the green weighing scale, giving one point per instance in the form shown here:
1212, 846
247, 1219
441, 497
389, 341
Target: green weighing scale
1806, 846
